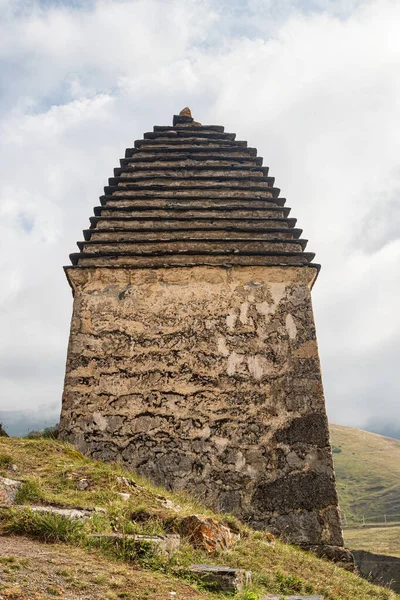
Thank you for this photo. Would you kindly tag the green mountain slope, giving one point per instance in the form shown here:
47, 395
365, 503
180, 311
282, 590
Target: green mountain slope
368, 474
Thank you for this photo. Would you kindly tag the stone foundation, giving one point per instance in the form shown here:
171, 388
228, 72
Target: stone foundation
206, 379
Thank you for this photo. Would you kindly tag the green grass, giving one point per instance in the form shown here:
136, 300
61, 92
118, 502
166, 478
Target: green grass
45, 527
52, 469
30, 492
380, 540
367, 469
5, 461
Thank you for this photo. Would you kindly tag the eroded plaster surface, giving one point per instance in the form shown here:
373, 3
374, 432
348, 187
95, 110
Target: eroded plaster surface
207, 379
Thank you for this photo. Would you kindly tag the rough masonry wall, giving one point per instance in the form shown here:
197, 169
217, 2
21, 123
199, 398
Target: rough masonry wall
207, 379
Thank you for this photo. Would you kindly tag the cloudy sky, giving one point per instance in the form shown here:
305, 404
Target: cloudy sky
313, 84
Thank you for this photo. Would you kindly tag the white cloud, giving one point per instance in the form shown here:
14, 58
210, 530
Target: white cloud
313, 86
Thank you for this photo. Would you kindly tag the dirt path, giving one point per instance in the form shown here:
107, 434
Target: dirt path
30, 570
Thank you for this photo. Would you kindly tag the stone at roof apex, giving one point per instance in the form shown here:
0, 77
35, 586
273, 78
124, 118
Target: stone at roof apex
184, 117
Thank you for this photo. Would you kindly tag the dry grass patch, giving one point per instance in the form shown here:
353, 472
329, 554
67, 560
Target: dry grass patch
51, 571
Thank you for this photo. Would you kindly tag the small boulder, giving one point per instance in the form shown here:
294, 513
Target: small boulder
342, 557
206, 533
221, 579
8, 490
166, 503
129, 483
83, 484
124, 496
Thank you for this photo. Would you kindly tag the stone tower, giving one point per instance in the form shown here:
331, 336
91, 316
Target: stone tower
192, 353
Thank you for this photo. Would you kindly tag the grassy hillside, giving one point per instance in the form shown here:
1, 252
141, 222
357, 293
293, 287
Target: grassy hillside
368, 473
379, 540
51, 471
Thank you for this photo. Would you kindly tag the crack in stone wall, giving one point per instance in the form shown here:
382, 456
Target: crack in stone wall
208, 380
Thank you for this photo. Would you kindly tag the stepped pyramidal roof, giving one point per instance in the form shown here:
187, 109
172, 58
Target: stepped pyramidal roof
189, 195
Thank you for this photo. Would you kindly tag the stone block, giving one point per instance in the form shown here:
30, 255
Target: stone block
221, 579
206, 533
8, 490
336, 554
166, 544
74, 514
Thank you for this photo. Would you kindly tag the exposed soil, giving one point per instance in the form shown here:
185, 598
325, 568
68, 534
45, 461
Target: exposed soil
30, 570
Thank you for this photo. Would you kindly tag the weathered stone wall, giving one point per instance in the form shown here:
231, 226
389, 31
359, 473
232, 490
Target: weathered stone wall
378, 568
207, 379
